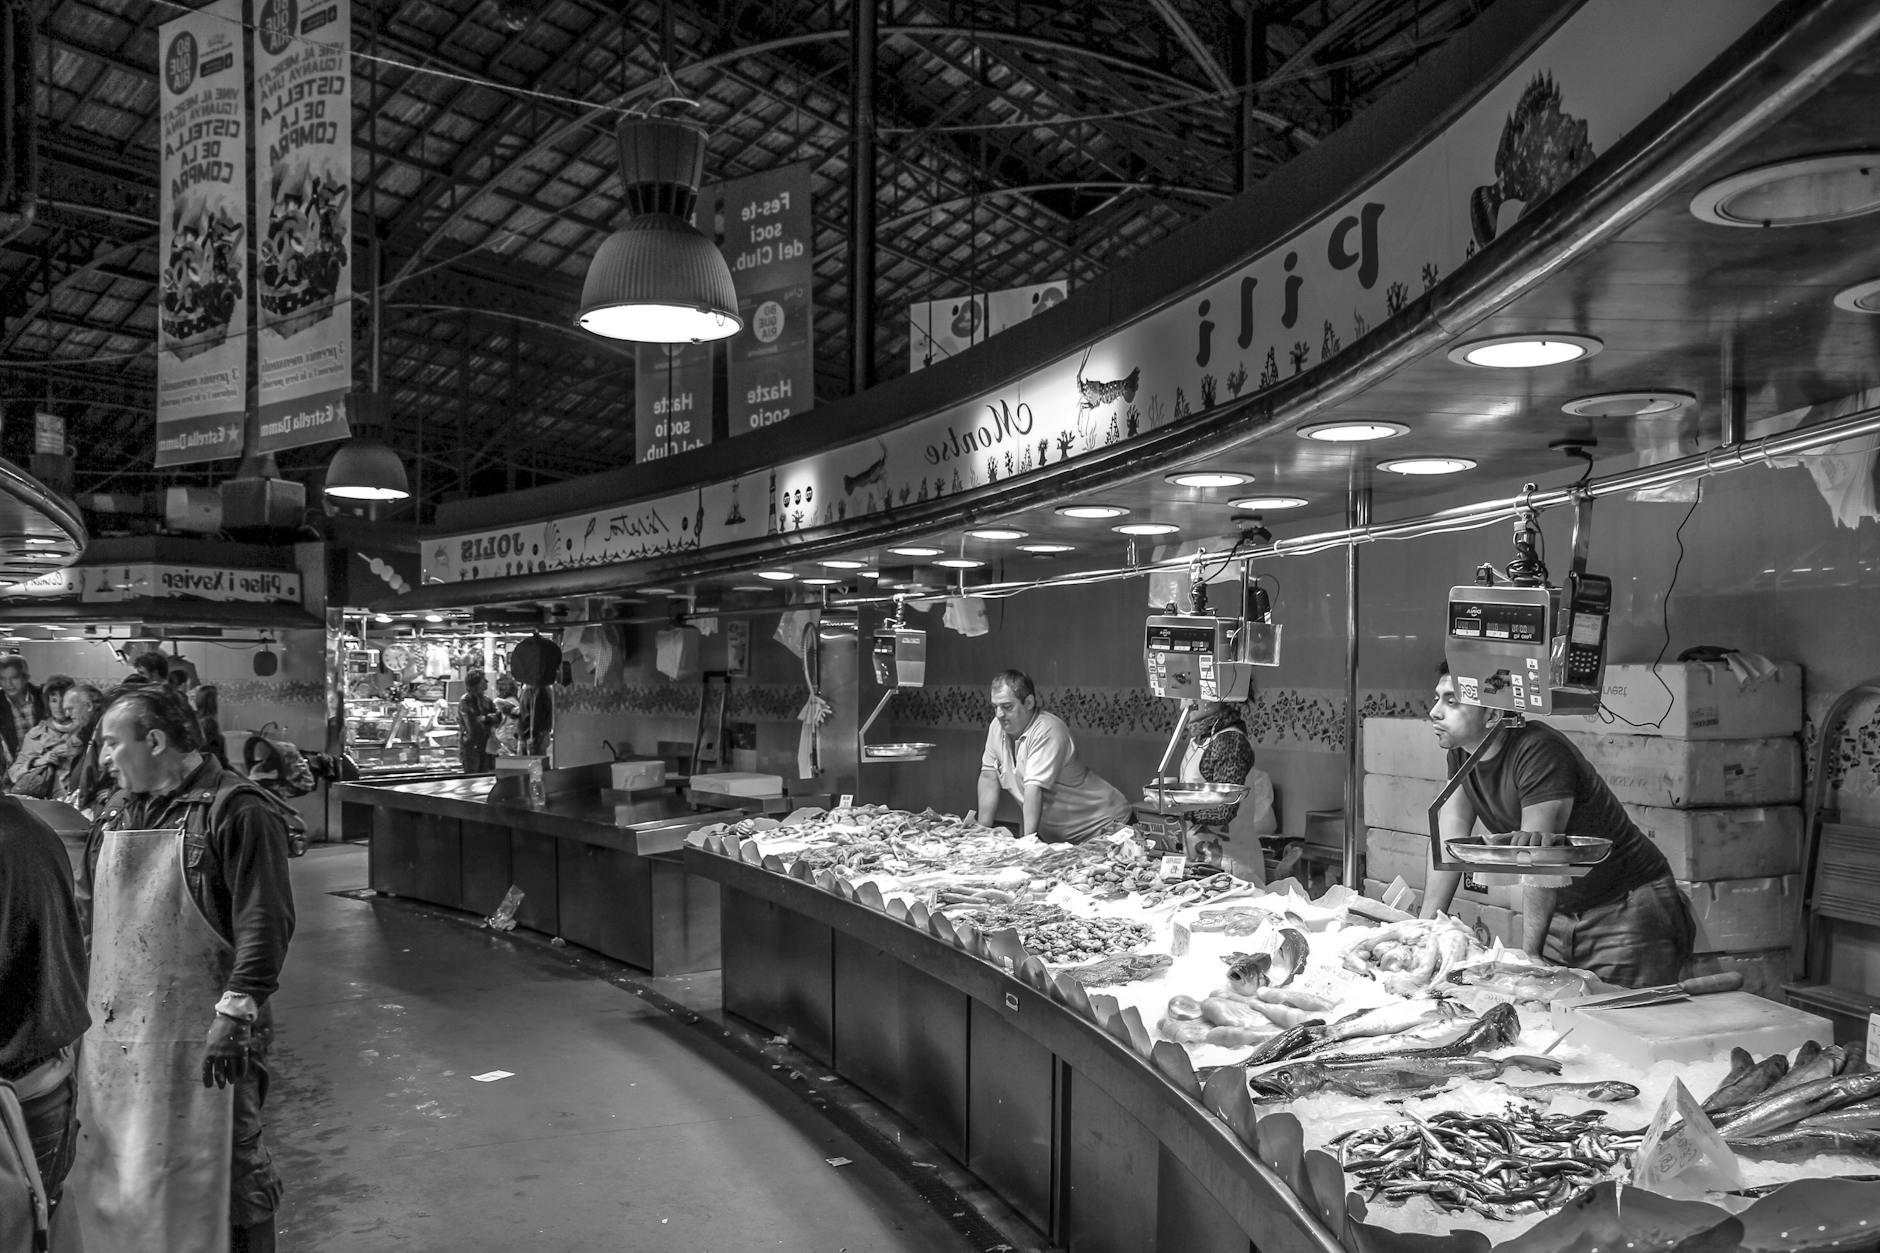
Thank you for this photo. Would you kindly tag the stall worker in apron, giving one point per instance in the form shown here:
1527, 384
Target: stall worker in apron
185, 895
1219, 751
1030, 755
1626, 921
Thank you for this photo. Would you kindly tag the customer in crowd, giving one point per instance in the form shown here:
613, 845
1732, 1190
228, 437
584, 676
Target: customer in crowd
42, 969
150, 667
83, 705
208, 717
91, 780
477, 720
26, 704
507, 739
46, 752
190, 860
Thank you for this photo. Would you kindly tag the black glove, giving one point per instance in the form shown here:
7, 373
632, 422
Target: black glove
225, 1054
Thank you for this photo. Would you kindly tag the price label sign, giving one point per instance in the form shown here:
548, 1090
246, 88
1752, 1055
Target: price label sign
1174, 868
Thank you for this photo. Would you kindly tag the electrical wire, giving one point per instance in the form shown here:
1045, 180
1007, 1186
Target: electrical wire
1671, 699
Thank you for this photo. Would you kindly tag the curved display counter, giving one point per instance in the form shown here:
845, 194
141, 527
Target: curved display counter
1104, 1139
596, 867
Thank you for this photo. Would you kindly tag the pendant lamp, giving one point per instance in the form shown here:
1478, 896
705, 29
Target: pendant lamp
658, 280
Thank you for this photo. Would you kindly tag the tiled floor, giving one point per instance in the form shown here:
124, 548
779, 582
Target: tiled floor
619, 1128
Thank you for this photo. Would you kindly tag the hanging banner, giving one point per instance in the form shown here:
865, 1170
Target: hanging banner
202, 230
672, 399
768, 236
937, 329
303, 209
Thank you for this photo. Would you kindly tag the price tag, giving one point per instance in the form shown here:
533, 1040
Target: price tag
848, 799
1174, 868
538, 784
1873, 1035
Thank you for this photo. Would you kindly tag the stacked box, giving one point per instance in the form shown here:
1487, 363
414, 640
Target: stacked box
1716, 785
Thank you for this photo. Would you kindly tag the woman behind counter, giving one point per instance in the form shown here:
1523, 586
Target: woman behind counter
1219, 751
1030, 755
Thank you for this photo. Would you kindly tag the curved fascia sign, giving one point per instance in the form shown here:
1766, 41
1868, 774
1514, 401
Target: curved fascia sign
1283, 312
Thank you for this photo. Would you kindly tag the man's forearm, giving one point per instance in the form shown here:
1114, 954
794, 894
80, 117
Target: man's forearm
1033, 809
988, 797
1439, 891
1537, 911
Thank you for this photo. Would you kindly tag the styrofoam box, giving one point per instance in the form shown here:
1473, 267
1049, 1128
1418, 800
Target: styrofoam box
737, 783
1725, 843
637, 772
1690, 1030
1388, 854
1705, 702
1763, 973
1688, 774
1397, 803
1744, 915
1404, 747
1502, 924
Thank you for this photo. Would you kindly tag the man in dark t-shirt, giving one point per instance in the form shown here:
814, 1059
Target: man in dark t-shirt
1626, 920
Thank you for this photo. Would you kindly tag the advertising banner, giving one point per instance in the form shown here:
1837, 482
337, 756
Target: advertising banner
139, 579
672, 399
303, 211
937, 329
768, 238
202, 236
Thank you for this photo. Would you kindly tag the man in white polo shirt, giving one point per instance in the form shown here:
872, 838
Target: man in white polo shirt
1030, 754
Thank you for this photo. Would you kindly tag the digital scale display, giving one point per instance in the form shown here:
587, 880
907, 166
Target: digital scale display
1508, 624
1180, 639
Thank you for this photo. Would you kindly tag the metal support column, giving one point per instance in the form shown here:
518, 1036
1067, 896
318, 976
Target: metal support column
1358, 514
862, 70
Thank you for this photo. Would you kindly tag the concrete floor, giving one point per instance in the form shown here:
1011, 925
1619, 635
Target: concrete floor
620, 1128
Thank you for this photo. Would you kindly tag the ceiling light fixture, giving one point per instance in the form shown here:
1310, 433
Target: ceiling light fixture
1523, 352
40, 539
1860, 298
1803, 192
958, 563
1093, 511
658, 591
916, 550
1352, 432
1260, 503
658, 280
777, 576
998, 533
1208, 478
820, 582
842, 563
750, 587
1427, 465
1146, 528
1629, 404
869, 574
433, 617
1047, 548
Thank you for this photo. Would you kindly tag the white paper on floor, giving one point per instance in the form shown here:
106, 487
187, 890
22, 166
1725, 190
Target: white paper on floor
491, 1076
838, 1161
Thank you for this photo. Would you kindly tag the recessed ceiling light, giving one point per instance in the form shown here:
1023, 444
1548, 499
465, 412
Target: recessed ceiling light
1352, 432
1629, 404
998, 533
958, 563
433, 617
40, 539
381, 617
1521, 352
841, 563
1794, 193
869, 574
821, 582
916, 550
1208, 478
1427, 465
1146, 528
750, 587
1047, 548
1268, 502
776, 576
658, 591
1860, 298
1092, 511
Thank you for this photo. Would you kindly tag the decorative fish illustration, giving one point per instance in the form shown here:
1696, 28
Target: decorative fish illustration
1091, 394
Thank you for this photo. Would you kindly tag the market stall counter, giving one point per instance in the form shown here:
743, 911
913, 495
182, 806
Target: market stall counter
1139, 1055
596, 867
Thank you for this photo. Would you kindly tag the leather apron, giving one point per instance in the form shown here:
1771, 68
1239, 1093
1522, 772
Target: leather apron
153, 1159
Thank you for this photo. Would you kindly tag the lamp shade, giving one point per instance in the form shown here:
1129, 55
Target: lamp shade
658, 281
366, 469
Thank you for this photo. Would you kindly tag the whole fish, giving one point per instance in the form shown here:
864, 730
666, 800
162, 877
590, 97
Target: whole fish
1285, 1044
1799, 1142
1854, 1059
1496, 1028
1391, 1073
1391, 1019
1864, 1116
1823, 1065
1600, 1090
1749, 1085
1766, 1114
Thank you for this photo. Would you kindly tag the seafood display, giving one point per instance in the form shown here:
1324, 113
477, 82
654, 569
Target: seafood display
1410, 955
1524, 981
1054, 934
1123, 968
1521, 1162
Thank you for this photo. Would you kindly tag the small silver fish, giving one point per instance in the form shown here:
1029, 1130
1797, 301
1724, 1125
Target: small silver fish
1599, 1090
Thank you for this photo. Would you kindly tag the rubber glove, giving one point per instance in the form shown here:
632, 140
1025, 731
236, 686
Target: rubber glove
225, 1054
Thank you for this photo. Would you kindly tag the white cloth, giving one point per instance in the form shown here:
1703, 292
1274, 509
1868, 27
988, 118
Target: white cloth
967, 615
1078, 803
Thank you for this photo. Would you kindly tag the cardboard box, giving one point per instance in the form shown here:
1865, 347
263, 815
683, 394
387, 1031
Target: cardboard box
1398, 804
1686, 774
1706, 844
1498, 923
1745, 915
1696, 700
1763, 973
737, 783
1405, 747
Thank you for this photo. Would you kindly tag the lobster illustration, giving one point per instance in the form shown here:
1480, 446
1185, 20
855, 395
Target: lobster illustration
875, 471
1091, 395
